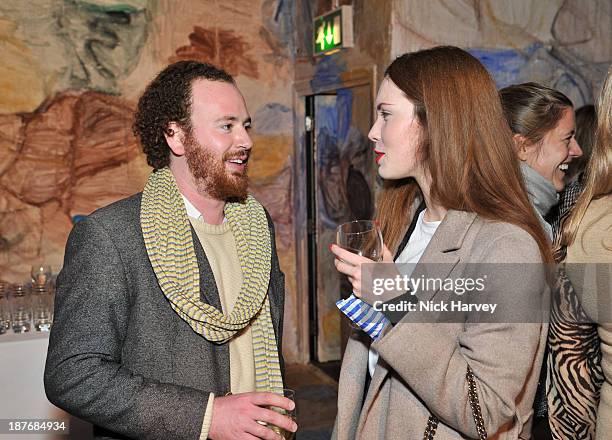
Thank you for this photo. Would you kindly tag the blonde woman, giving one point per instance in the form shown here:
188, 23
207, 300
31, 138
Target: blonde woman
586, 240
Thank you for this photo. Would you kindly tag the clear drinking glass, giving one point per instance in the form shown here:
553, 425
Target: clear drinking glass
21, 311
5, 313
42, 308
287, 435
361, 237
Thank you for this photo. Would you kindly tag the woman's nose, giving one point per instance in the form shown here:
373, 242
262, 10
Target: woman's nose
575, 150
374, 133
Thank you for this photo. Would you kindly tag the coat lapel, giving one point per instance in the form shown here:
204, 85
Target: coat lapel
441, 256
276, 295
441, 250
208, 286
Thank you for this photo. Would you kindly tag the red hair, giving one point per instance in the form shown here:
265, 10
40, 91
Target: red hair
466, 145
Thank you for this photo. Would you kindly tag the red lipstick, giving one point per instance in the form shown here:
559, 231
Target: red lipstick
379, 156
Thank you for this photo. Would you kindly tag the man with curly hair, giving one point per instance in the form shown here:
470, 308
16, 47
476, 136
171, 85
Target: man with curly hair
169, 306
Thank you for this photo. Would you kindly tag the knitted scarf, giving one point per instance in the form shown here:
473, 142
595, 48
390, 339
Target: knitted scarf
167, 235
542, 195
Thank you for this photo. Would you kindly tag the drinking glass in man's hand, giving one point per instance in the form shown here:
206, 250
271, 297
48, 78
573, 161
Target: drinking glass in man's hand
287, 435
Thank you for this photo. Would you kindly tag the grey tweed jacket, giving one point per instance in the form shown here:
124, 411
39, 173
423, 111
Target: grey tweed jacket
119, 356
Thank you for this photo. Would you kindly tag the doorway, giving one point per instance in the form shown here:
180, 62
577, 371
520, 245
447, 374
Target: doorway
339, 186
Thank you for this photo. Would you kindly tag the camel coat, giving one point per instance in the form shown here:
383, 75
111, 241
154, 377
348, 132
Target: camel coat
422, 364
592, 247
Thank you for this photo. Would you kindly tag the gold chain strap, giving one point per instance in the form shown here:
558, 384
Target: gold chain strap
432, 421
475, 405
430, 430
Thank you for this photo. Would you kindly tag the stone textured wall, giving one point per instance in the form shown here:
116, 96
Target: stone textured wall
71, 74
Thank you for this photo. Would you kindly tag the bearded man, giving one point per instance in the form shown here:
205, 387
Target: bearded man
169, 307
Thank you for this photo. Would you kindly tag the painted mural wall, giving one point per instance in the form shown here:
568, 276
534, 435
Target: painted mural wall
566, 44
71, 74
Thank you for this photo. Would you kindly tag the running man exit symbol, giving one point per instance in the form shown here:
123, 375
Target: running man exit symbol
333, 31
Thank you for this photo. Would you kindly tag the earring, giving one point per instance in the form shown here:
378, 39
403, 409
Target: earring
169, 132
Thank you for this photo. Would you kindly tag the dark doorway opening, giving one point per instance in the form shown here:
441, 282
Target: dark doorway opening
341, 181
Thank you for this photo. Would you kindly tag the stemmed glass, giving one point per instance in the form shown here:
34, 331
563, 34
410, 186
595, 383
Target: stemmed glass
361, 237
42, 308
42, 296
41, 274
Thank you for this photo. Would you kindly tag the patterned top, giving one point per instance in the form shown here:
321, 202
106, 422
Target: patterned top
567, 199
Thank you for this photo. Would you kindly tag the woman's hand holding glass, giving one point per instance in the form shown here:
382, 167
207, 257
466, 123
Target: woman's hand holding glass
355, 242
349, 264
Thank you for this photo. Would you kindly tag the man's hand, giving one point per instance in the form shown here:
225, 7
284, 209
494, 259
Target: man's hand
235, 417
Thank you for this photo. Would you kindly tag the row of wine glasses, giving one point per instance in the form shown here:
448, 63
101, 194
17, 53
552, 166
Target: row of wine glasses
28, 306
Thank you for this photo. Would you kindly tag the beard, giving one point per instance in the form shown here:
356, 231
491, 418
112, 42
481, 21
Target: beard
211, 175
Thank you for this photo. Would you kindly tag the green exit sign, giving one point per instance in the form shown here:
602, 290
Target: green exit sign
333, 31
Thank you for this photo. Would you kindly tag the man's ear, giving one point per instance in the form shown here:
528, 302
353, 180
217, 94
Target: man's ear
175, 137
522, 146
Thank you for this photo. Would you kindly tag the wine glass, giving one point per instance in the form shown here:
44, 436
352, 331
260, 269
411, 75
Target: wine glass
287, 435
361, 237
42, 307
41, 274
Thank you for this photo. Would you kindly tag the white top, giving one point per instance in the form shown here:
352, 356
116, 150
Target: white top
193, 212
420, 238
412, 253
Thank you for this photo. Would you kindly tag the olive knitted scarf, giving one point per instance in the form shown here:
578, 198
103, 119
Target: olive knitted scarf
167, 235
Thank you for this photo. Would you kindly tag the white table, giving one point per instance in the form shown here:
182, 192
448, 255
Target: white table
22, 393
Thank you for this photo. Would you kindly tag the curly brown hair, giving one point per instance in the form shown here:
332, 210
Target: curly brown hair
168, 99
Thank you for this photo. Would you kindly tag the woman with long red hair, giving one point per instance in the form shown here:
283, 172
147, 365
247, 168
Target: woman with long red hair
453, 194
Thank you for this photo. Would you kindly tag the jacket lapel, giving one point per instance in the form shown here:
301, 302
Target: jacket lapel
208, 286
441, 250
276, 296
441, 256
